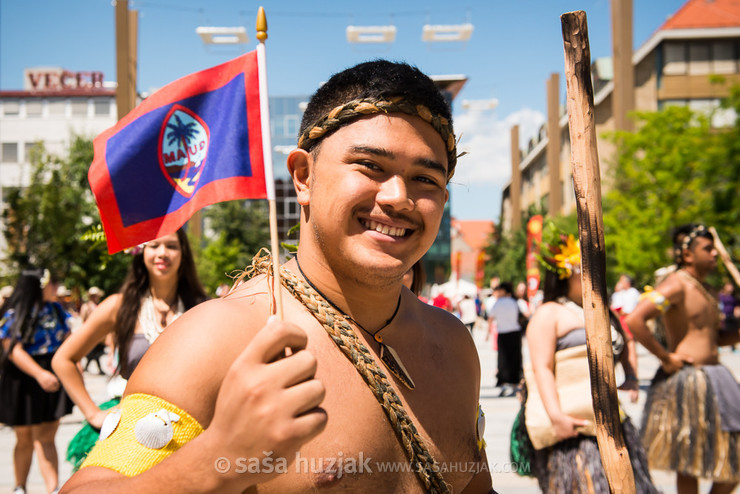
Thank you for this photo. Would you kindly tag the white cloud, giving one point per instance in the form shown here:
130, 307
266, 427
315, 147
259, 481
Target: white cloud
482, 174
486, 139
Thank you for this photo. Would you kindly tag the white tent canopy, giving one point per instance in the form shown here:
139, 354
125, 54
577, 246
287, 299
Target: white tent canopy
456, 289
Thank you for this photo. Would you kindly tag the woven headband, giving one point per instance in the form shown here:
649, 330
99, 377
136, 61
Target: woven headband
686, 242
348, 112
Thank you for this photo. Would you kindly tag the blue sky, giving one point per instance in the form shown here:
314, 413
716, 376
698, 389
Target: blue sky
514, 48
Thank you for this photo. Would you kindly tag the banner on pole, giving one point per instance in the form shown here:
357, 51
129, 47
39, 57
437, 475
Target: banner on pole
534, 239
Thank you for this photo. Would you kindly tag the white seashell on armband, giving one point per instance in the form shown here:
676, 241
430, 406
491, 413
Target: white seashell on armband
155, 430
109, 424
481, 424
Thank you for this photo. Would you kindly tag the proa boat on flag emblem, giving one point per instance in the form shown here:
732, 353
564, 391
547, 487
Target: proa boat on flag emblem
183, 148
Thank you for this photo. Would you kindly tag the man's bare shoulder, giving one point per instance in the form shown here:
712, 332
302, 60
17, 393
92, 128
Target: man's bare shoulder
672, 287
187, 363
451, 334
438, 319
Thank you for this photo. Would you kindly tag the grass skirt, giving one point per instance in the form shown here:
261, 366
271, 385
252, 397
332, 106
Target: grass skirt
681, 428
85, 439
574, 465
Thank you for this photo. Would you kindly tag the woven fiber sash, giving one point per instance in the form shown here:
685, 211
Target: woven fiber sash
343, 334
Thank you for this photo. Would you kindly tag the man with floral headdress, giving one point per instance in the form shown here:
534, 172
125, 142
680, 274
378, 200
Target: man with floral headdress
691, 421
215, 405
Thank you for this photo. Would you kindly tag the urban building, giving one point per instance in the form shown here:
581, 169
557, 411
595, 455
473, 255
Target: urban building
469, 240
677, 65
54, 106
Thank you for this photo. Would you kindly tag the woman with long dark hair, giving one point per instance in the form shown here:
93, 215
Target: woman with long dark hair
161, 284
556, 425
32, 328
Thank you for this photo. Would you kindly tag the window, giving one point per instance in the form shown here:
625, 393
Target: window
723, 58
291, 126
675, 59
29, 149
277, 127
57, 106
11, 108
34, 108
699, 59
10, 152
79, 107
102, 107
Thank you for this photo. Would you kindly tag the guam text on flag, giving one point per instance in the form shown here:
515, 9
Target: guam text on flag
195, 142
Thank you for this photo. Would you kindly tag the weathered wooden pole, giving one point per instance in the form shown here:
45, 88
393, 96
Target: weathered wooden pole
725, 256
587, 186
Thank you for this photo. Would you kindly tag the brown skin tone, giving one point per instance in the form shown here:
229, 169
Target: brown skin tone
386, 172
550, 322
692, 329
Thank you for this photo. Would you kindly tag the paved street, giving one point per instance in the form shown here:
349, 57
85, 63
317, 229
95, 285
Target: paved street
500, 414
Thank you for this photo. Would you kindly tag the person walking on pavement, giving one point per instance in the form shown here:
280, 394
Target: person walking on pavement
505, 312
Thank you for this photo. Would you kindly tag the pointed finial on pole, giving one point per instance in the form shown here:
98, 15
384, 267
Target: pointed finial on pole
261, 26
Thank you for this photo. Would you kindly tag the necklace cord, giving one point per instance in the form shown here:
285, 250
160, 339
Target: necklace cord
341, 332
347, 316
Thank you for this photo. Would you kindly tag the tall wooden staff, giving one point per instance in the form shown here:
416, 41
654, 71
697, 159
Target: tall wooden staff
725, 256
587, 185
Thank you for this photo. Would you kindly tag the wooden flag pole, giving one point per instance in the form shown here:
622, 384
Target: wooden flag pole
261, 29
587, 185
731, 268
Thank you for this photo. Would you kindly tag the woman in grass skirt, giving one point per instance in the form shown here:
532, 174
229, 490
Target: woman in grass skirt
571, 463
32, 327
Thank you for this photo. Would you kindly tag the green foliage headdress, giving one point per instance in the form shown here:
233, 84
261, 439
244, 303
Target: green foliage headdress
559, 252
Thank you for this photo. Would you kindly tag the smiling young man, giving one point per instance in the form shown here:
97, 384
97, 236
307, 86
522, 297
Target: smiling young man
691, 421
397, 379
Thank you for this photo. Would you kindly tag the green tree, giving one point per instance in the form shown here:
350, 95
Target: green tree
240, 229
675, 169
45, 222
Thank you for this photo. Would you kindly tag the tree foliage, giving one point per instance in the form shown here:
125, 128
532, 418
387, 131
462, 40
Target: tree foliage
45, 222
675, 169
507, 253
239, 229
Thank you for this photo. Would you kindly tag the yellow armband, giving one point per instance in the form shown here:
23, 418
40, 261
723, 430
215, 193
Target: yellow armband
657, 298
141, 433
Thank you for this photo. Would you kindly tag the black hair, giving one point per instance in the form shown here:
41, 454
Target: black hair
507, 287
26, 302
688, 232
375, 79
554, 287
420, 277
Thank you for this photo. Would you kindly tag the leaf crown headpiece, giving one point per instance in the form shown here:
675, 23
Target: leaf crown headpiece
559, 252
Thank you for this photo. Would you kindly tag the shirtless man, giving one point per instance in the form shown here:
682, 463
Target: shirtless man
371, 180
691, 391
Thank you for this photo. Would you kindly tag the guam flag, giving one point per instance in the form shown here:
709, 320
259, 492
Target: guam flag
195, 142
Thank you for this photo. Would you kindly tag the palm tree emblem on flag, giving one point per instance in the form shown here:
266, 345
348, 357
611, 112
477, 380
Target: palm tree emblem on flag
183, 147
